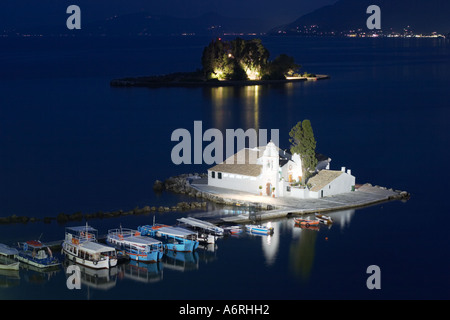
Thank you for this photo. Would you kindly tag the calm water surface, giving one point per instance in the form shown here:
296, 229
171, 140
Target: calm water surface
69, 143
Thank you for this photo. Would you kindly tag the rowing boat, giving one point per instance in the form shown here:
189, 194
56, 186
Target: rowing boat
306, 222
323, 218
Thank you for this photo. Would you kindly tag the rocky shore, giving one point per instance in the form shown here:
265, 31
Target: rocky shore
185, 184
195, 186
172, 184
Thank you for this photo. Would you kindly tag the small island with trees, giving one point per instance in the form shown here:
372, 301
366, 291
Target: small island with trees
229, 63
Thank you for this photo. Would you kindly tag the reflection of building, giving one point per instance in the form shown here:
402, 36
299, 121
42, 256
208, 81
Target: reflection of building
342, 217
271, 171
270, 244
302, 253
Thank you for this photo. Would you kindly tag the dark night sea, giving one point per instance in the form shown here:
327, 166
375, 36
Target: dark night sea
71, 143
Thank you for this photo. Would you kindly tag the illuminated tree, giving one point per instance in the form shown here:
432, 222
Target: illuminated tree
304, 144
241, 59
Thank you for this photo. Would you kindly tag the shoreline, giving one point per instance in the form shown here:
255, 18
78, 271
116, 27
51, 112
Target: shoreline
195, 185
151, 82
272, 208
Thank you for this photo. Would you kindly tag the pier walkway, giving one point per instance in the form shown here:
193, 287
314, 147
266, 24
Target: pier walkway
283, 206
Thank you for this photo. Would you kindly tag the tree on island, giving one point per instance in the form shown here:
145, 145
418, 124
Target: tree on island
280, 67
303, 143
241, 59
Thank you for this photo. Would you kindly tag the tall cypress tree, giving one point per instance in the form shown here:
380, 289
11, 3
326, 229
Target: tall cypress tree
303, 142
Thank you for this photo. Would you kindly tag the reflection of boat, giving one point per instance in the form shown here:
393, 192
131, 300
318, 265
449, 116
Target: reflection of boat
7, 258
36, 254
81, 246
101, 279
306, 222
137, 247
143, 272
309, 227
9, 278
259, 229
174, 238
324, 219
181, 261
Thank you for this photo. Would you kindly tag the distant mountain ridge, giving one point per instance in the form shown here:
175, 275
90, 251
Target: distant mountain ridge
144, 23
421, 17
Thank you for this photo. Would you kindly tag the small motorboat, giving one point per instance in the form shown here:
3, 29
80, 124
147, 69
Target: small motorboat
259, 229
306, 222
323, 218
233, 230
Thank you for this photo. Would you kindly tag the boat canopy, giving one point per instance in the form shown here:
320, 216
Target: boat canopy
7, 251
33, 244
176, 231
140, 240
79, 229
201, 224
94, 247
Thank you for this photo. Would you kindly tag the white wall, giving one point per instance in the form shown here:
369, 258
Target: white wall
341, 184
236, 182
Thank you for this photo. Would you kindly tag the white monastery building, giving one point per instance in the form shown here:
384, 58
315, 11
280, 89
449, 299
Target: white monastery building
271, 171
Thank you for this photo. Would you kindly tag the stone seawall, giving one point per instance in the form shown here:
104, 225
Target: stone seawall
189, 184
195, 185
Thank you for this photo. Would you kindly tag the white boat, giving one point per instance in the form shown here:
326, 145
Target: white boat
36, 254
233, 230
81, 246
323, 218
7, 258
206, 238
259, 229
206, 226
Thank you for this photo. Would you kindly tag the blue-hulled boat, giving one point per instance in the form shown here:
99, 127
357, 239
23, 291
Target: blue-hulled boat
173, 238
136, 246
259, 229
37, 254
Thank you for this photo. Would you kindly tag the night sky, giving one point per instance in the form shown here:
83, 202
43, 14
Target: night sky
29, 13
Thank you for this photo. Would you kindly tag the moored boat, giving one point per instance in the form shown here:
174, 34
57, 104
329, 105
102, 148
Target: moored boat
81, 246
324, 218
173, 238
259, 229
233, 230
306, 222
35, 253
7, 258
135, 246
